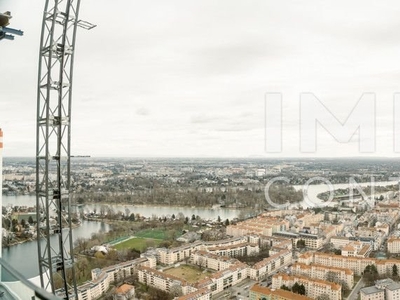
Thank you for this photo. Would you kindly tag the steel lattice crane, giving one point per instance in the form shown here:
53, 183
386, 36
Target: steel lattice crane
53, 146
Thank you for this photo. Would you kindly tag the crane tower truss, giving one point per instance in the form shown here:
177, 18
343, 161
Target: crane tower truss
53, 145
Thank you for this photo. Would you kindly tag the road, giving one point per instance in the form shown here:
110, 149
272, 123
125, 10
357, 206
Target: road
354, 293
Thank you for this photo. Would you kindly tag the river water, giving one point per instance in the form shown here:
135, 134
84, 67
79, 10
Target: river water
24, 258
312, 191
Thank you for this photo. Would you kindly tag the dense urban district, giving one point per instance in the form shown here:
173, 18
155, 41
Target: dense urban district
347, 246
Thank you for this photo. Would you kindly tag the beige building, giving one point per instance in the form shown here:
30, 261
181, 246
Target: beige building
392, 291
314, 287
323, 272
235, 250
162, 281
229, 247
393, 245
262, 224
102, 278
385, 289
356, 264
259, 292
270, 264
372, 293
224, 279
211, 261
201, 294
357, 249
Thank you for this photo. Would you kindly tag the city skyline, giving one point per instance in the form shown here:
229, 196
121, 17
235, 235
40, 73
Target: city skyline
189, 79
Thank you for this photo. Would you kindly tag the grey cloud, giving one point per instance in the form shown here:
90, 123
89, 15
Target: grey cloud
142, 111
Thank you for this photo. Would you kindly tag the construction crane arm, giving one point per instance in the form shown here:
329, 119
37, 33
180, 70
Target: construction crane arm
5, 31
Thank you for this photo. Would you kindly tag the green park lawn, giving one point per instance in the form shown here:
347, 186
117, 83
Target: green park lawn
137, 243
152, 234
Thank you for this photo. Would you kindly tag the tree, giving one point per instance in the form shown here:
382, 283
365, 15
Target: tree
23, 223
302, 289
132, 217
370, 274
395, 271
175, 290
301, 244
338, 252
295, 288
284, 287
127, 213
14, 224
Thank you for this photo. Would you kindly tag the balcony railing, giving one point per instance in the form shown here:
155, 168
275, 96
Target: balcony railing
18, 287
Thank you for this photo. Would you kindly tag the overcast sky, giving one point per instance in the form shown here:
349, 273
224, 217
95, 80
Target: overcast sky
189, 78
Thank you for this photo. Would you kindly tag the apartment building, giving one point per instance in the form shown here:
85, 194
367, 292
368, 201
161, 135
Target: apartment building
393, 245
392, 291
235, 250
270, 264
229, 247
171, 256
259, 292
356, 249
224, 279
201, 294
356, 264
162, 281
372, 293
212, 261
102, 278
262, 224
314, 287
340, 241
323, 272
385, 289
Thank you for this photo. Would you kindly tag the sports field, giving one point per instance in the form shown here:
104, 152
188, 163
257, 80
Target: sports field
152, 234
137, 243
191, 274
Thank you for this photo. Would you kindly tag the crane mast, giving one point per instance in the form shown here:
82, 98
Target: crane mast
53, 145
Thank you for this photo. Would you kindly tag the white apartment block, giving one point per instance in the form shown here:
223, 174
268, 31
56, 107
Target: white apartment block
212, 261
171, 256
385, 289
392, 291
262, 224
393, 245
356, 249
270, 264
314, 287
372, 293
356, 264
340, 241
201, 294
162, 281
229, 247
235, 250
102, 278
224, 279
325, 273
